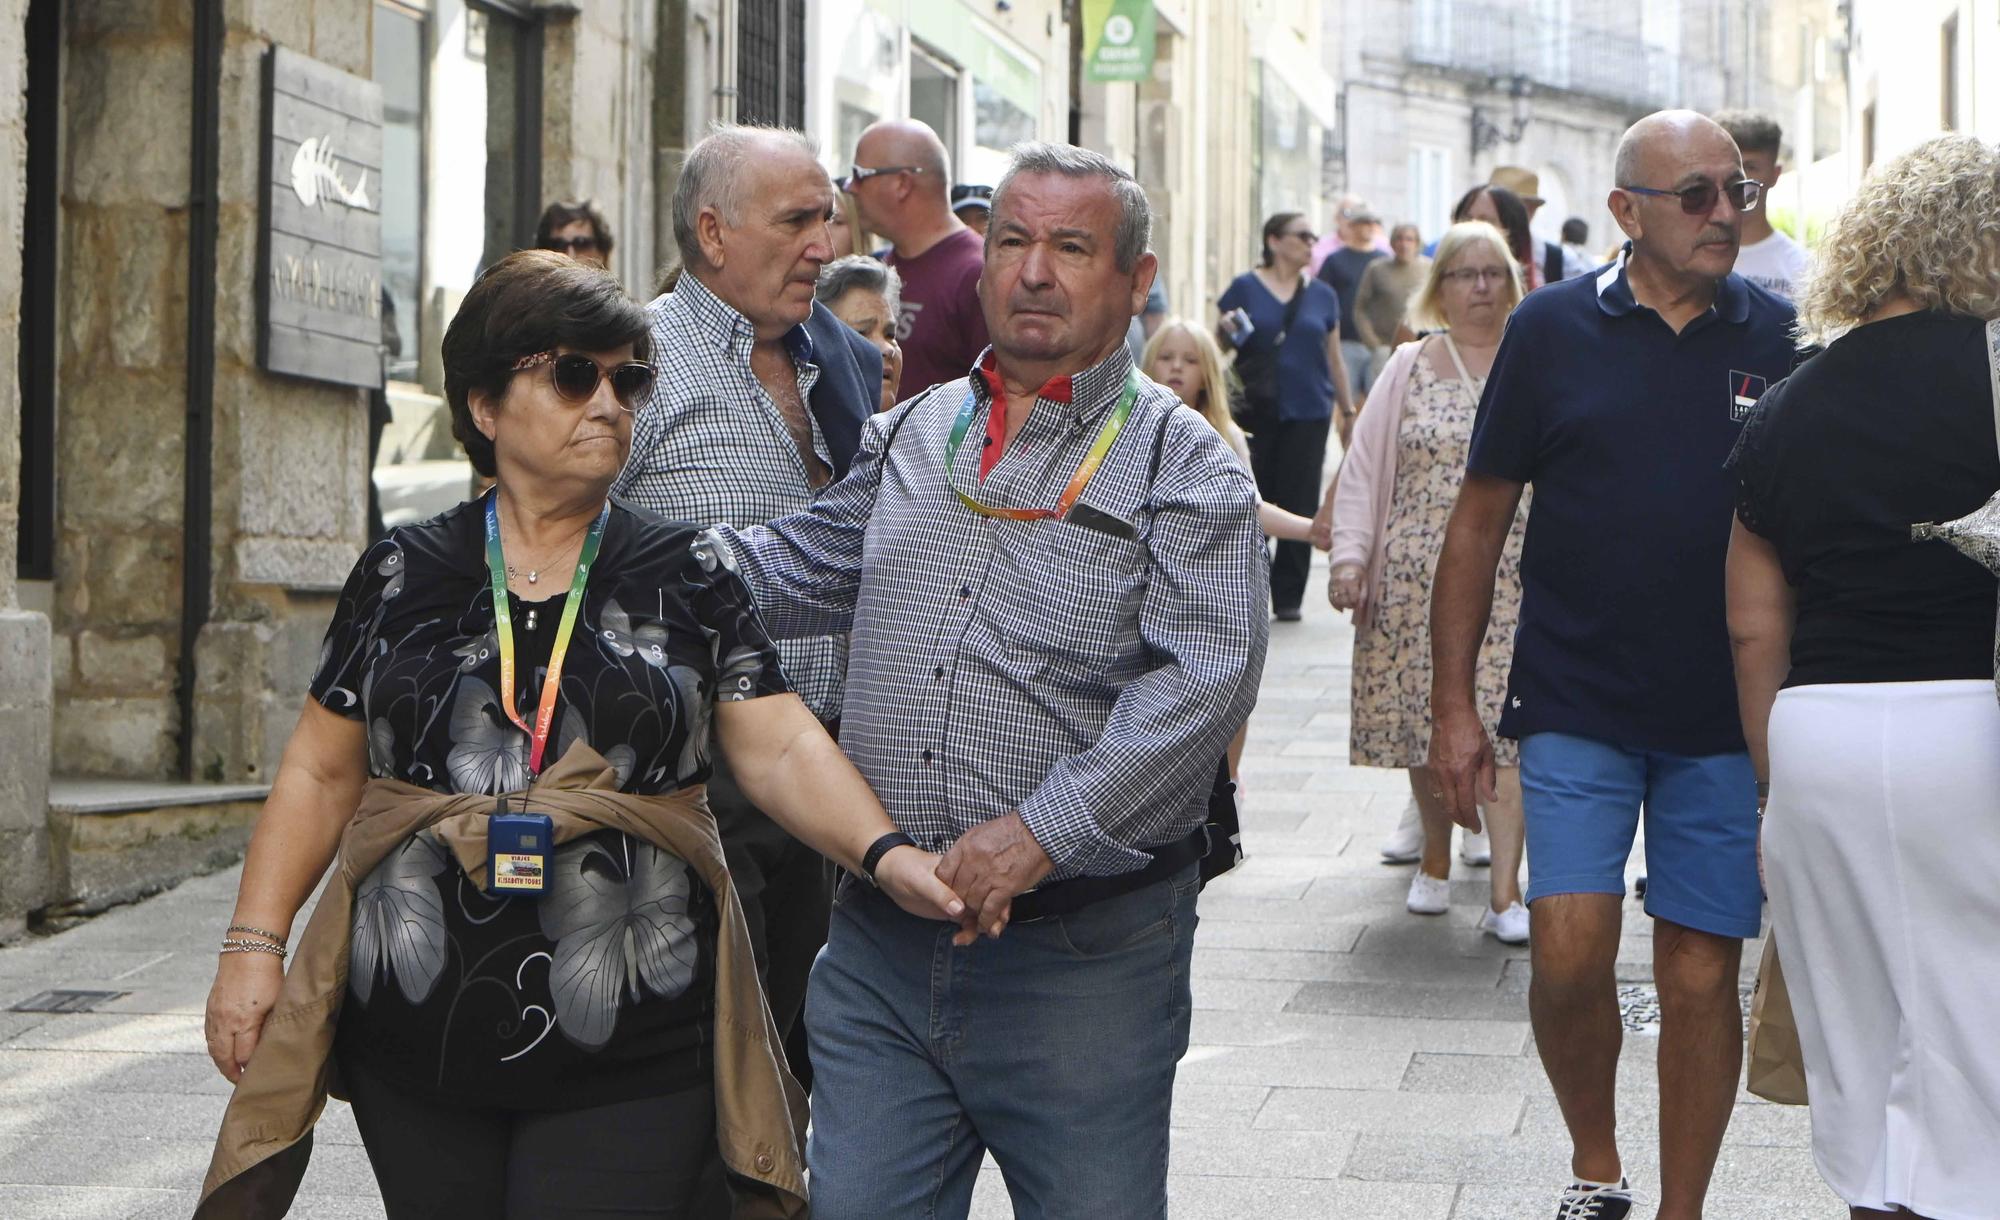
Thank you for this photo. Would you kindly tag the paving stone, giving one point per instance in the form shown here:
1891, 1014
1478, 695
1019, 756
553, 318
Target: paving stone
1302, 1067
1352, 1033
1224, 1153
89, 1031
19, 1202
1433, 936
1316, 937
1217, 1105
1366, 1109
1242, 995
46, 1073
1348, 967
1389, 999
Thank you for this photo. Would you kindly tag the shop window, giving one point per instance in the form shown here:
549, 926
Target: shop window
460, 189
934, 96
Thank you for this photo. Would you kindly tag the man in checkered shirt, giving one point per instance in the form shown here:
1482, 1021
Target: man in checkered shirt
759, 403
1044, 700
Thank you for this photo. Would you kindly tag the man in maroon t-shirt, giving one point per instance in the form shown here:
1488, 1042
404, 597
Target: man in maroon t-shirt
901, 187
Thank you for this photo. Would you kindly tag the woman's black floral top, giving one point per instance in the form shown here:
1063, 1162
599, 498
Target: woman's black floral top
600, 989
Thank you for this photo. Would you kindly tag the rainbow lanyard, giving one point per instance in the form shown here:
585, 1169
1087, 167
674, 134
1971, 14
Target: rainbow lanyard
503, 615
1106, 436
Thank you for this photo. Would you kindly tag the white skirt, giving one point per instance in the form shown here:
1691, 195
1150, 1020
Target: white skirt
1882, 853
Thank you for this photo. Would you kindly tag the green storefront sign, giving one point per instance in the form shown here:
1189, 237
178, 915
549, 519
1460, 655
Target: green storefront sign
1117, 39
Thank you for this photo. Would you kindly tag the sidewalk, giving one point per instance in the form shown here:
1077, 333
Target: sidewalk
1349, 1059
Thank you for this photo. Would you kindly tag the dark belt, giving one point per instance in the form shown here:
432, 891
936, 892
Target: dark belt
1067, 897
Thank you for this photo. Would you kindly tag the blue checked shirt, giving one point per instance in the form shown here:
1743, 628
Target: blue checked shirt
1090, 682
710, 446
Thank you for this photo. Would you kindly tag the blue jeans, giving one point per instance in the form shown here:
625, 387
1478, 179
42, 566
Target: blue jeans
1054, 1046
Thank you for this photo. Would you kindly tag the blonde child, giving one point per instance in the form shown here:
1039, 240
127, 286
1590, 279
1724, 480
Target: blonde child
1184, 358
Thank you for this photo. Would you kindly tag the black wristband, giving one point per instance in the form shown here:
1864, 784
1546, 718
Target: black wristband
882, 847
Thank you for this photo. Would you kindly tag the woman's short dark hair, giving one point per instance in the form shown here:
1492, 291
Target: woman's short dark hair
1275, 227
531, 301
561, 215
1513, 219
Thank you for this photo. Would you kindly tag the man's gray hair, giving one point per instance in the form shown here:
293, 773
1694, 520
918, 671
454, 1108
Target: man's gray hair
844, 275
712, 177
1135, 214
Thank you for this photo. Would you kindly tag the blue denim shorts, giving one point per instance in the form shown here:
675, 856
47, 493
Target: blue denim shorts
1582, 798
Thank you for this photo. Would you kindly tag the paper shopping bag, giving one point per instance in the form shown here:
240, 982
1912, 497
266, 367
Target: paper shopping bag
1776, 1070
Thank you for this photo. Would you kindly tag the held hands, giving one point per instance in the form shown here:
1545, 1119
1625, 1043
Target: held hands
246, 986
1322, 530
1346, 587
1461, 765
909, 875
988, 866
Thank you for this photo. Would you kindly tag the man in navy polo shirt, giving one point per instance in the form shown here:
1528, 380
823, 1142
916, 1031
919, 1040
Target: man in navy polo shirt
1622, 693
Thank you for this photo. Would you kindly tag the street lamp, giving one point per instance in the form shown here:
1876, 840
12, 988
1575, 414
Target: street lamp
1486, 131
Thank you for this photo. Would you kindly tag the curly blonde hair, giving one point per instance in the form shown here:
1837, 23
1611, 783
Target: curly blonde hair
1925, 226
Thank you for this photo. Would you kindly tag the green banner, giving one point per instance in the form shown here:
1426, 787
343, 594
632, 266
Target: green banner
1117, 39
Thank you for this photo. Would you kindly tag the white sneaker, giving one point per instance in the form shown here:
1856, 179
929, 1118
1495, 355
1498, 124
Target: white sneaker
1474, 849
1509, 927
1405, 844
1428, 895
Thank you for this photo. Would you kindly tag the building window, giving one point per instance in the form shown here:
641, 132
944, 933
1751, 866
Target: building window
1430, 33
35, 544
1948, 74
771, 63
934, 95
1430, 189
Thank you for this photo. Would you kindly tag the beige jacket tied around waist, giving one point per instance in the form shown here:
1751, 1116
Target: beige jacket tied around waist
266, 1136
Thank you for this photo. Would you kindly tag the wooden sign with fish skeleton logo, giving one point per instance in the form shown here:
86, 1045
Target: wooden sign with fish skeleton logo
319, 243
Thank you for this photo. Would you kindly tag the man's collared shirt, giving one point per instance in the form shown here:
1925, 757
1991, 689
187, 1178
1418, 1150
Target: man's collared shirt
710, 446
1623, 427
1086, 680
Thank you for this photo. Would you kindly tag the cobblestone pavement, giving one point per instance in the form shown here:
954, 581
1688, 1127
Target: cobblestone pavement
1348, 1059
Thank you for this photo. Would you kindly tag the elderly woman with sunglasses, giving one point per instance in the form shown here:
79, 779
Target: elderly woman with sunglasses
540, 1053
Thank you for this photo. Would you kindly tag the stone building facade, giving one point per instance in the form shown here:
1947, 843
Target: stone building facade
182, 519
1435, 93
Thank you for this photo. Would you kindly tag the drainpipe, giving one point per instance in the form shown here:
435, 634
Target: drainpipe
197, 514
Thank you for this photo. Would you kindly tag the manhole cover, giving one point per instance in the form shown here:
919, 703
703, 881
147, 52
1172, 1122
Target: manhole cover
66, 1001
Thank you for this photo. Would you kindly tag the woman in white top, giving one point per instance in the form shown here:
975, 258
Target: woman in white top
1388, 508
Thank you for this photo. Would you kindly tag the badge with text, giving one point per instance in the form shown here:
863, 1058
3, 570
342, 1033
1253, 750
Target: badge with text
517, 847
1744, 391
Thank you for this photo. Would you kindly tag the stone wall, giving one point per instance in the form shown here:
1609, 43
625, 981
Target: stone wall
121, 388
289, 456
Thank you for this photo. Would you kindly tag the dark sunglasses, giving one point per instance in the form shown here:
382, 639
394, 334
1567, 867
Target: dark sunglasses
570, 245
856, 175
575, 376
1699, 199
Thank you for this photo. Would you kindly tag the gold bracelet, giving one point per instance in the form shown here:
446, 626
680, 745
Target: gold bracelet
273, 937
251, 946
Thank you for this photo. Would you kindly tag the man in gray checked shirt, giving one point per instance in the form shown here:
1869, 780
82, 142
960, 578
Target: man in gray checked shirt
1048, 658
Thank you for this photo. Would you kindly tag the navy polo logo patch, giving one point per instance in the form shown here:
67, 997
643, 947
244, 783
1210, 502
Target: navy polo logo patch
1744, 391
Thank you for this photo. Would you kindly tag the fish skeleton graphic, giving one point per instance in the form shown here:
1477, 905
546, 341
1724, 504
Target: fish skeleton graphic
316, 176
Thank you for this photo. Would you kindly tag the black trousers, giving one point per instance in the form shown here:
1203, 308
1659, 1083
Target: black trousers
1287, 458
435, 1160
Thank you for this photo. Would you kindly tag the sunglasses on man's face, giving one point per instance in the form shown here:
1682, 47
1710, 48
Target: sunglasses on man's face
572, 245
856, 175
1699, 199
576, 376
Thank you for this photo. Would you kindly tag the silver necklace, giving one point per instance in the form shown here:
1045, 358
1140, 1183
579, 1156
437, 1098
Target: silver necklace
534, 574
